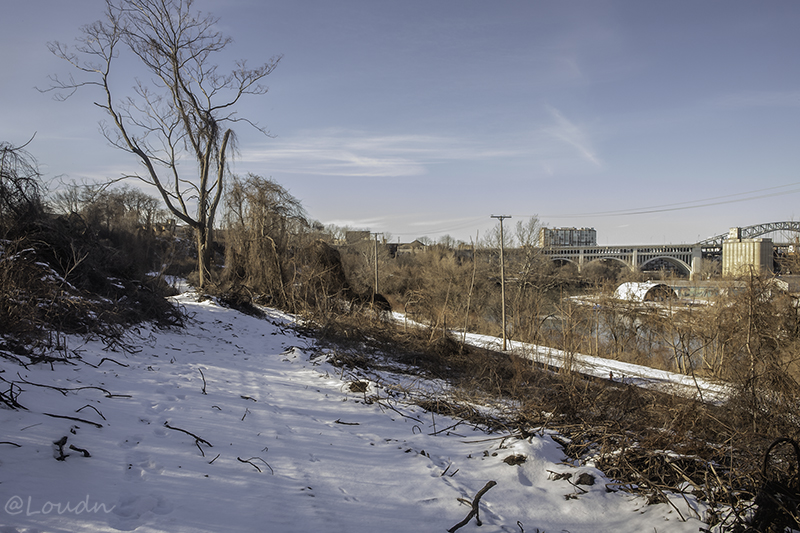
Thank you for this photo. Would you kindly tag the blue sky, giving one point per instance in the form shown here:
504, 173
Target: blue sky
653, 122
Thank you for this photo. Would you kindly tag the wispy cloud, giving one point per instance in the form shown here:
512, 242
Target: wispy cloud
359, 154
571, 134
372, 223
761, 99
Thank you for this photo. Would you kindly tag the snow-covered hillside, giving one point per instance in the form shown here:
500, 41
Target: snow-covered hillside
235, 425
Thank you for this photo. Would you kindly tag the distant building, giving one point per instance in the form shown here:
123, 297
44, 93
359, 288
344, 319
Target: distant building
352, 237
567, 237
742, 256
410, 248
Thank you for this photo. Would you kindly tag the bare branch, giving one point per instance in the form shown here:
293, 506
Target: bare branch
475, 511
196, 438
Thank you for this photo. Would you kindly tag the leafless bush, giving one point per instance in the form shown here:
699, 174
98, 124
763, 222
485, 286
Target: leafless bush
20, 188
261, 222
58, 279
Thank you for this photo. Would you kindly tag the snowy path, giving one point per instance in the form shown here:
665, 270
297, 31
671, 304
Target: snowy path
328, 461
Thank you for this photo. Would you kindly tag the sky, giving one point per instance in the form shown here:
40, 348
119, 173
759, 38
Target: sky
652, 122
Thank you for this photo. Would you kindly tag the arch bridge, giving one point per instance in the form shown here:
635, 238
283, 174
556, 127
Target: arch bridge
686, 257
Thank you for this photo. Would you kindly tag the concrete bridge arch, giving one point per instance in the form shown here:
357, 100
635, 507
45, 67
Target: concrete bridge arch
609, 259
681, 265
563, 261
685, 257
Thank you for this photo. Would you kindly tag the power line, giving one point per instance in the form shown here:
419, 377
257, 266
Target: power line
692, 204
468, 223
779, 190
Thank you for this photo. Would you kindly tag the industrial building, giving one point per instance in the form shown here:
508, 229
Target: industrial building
743, 256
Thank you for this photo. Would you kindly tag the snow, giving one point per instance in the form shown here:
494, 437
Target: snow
321, 457
688, 386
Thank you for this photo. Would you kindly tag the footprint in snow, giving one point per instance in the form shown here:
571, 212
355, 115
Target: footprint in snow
131, 442
347, 496
130, 509
139, 465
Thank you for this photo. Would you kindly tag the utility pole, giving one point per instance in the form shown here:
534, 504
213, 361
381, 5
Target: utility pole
375, 257
502, 275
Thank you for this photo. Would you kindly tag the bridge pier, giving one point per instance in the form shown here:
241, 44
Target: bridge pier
697, 262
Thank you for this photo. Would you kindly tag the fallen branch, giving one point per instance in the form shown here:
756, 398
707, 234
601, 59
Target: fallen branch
250, 462
489, 439
474, 511
448, 468
59, 389
105, 359
199, 439
447, 428
10, 400
197, 443
76, 419
11, 443
338, 421
398, 412
204, 379
113, 361
91, 407
9, 355
64, 390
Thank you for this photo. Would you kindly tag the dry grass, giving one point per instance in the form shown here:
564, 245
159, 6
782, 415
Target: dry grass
648, 442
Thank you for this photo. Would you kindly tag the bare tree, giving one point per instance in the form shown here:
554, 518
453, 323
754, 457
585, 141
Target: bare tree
121, 208
532, 272
69, 198
20, 186
186, 111
261, 220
